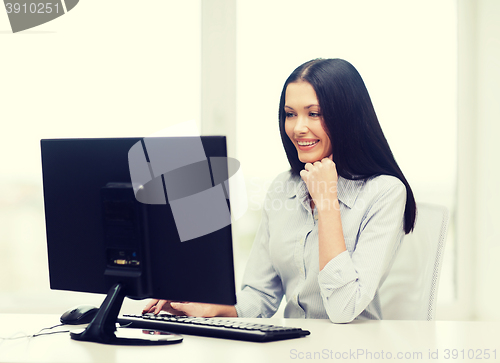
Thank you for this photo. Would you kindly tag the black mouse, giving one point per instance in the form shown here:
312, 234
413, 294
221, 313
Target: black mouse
81, 314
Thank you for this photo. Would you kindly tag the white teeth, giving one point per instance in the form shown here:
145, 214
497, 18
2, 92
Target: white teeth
307, 143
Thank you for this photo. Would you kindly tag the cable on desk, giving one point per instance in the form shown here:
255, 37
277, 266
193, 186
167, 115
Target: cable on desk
37, 334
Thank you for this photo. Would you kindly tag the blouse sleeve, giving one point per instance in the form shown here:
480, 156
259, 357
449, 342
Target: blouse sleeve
262, 290
348, 283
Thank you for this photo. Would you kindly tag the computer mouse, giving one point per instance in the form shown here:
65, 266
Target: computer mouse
81, 314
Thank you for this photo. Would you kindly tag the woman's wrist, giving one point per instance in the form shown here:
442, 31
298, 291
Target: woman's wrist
328, 205
228, 311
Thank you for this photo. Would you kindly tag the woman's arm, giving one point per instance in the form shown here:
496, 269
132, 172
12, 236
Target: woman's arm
262, 288
349, 282
321, 180
330, 235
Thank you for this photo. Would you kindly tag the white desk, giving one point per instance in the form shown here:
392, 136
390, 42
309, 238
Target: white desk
328, 342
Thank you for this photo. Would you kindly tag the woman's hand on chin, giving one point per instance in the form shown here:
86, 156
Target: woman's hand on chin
321, 180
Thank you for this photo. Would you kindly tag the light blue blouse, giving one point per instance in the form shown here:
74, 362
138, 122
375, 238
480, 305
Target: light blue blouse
284, 258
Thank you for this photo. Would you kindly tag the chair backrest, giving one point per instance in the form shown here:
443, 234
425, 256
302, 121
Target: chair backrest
410, 290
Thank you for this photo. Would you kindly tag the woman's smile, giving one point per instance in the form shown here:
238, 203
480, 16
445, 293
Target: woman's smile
305, 145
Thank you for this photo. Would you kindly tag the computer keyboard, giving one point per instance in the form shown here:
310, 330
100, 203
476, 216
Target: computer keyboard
212, 327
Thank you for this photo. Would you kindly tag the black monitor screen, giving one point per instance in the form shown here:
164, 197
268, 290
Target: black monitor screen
101, 230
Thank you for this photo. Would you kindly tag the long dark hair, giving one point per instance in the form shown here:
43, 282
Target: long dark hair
360, 149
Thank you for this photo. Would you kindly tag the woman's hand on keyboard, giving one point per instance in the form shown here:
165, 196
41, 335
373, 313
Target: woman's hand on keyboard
189, 308
155, 306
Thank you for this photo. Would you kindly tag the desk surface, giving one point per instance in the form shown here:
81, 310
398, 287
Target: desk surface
357, 341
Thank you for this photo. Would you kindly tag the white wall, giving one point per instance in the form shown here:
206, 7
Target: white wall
478, 237
487, 218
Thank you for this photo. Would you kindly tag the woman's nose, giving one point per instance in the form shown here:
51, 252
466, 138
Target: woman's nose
301, 126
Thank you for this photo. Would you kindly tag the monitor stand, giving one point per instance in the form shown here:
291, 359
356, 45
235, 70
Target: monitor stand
103, 330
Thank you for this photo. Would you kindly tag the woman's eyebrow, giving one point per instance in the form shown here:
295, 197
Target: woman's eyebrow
306, 107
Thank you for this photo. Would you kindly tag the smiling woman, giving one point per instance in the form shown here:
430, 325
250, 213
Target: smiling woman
328, 237
330, 255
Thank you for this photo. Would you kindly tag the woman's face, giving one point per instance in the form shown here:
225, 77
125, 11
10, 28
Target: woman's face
304, 123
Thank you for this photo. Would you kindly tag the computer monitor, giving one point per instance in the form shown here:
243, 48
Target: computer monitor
122, 220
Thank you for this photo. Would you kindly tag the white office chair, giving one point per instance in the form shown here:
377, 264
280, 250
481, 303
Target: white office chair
410, 290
